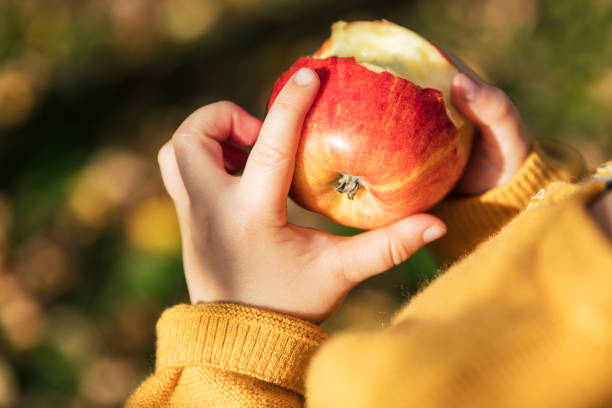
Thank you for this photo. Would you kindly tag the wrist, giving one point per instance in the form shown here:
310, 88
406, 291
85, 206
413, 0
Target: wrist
264, 301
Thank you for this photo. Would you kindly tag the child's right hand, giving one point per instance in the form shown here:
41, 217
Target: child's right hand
237, 244
501, 143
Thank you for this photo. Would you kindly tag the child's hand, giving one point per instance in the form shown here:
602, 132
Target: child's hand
501, 144
237, 244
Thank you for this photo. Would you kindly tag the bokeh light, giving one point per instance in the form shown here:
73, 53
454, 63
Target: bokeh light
106, 183
152, 226
21, 318
108, 381
186, 20
16, 97
8, 385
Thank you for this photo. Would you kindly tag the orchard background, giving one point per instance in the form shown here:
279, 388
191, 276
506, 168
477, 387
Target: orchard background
89, 91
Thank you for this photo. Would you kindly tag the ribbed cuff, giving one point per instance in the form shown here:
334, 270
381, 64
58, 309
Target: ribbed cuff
473, 219
268, 346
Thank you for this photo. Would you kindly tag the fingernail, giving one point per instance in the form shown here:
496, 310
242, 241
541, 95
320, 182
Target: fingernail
304, 76
469, 86
432, 233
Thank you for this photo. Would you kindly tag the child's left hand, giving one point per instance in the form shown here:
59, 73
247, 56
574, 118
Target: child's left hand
237, 244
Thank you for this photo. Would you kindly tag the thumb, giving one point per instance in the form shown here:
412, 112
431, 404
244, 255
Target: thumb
375, 251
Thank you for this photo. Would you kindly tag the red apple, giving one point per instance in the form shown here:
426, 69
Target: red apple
382, 140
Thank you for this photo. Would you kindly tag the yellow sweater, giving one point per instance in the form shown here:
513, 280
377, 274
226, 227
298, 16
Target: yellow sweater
525, 320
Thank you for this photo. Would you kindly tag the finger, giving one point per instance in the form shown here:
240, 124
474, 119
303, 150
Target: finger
197, 143
269, 169
503, 138
234, 157
375, 251
486, 106
171, 175
223, 121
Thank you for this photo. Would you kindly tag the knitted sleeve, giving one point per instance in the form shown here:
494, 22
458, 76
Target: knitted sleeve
227, 355
472, 220
523, 321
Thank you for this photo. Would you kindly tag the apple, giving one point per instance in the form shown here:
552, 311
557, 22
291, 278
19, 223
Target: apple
382, 140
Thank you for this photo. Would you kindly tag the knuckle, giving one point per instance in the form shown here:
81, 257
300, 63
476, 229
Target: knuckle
183, 139
224, 105
213, 108
165, 155
187, 140
501, 106
397, 252
287, 104
268, 154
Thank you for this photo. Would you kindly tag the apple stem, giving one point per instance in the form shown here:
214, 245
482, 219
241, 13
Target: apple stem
348, 184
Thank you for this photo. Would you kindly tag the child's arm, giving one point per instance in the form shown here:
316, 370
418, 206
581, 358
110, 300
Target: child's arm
523, 321
238, 248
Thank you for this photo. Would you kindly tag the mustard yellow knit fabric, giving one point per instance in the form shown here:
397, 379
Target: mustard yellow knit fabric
523, 320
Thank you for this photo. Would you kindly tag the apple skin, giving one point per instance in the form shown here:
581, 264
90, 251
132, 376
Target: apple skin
392, 134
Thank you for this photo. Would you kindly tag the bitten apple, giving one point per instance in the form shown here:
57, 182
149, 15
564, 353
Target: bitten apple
382, 140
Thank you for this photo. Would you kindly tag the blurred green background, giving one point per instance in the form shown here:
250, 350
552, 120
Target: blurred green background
89, 91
